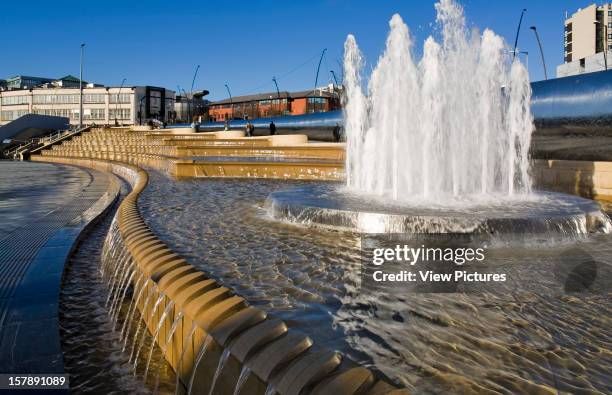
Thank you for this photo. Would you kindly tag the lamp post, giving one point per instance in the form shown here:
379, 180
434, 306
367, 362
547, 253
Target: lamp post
117, 104
231, 100
318, 67
518, 30
191, 91
277, 92
334, 75
81, 88
541, 51
604, 42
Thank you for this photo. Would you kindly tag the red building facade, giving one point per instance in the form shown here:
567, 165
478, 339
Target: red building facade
274, 104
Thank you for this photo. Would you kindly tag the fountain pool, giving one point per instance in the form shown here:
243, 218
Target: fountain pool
544, 214
519, 338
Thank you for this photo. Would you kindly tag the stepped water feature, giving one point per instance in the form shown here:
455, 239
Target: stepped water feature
204, 293
440, 144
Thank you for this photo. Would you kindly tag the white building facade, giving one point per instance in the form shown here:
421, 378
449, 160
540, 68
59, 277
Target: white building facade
587, 34
101, 105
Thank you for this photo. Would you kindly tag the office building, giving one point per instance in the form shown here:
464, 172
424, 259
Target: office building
587, 34
101, 105
274, 104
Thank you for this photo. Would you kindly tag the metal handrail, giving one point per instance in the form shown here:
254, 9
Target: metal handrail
38, 143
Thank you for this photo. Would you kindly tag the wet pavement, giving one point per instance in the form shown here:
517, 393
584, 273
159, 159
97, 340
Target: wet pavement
43, 209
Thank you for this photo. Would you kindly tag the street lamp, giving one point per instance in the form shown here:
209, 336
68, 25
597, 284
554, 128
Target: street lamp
277, 92
541, 51
604, 42
318, 67
117, 106
192, 83
334, 75
231, 100
81, 88
518, 30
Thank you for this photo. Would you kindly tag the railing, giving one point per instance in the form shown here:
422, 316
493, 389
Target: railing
38, 143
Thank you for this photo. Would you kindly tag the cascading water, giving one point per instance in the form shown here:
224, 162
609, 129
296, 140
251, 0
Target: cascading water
242, 378
454, 125
220, 366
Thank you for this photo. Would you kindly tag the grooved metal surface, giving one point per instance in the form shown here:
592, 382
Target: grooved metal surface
43, 209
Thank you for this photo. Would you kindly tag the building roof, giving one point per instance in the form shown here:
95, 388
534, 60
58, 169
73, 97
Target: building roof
27, 77
70, 78
275, 95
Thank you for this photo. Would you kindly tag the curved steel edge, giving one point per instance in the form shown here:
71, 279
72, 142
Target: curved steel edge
255, 345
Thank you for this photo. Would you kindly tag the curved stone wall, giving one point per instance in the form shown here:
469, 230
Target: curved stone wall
210, 336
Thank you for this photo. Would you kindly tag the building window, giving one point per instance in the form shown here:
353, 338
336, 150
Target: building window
12, 115
13, 100
56, 99
97, 98
6, 116
122, 113
123, 97
609, 13
316, 104
63, 112
609, 36
94, 113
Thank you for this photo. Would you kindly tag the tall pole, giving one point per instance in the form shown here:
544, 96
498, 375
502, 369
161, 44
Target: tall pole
604, 42
334, 75
117, 104
191, 91
518, 30
81, 88
231, 100
541, 51
318, 67
277, 92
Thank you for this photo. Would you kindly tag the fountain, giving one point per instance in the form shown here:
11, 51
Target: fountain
435, 146
438, 145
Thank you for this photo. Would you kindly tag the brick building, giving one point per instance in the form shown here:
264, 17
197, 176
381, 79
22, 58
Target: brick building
275, 104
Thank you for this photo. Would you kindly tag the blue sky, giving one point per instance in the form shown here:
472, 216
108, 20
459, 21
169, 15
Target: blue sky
242, 43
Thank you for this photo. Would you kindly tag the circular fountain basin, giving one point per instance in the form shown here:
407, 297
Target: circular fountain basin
539, 213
